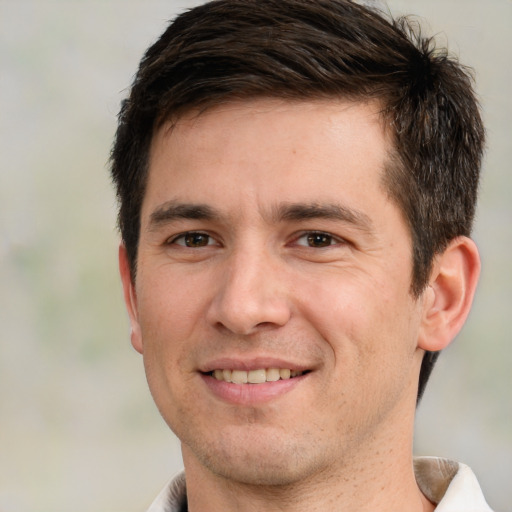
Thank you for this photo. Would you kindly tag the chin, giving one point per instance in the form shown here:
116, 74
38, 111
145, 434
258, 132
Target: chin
257, 462
257, 471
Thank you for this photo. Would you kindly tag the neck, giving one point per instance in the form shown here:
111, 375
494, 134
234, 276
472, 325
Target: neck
382, 480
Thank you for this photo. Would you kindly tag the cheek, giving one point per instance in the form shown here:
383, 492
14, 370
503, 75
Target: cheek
344, 304
367, 323
169, 317
170, 309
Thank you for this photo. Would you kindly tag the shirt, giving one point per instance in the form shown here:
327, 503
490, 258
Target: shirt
450, 485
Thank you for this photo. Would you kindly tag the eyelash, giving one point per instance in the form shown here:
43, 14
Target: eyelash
328, 239
187, 234
332, 240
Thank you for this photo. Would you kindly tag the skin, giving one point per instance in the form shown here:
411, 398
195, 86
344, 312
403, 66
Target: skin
267, 239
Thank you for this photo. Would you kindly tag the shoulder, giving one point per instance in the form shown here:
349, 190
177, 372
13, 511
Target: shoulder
173, 497
451, 485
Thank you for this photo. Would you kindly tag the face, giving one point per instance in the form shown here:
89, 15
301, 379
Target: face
272, 301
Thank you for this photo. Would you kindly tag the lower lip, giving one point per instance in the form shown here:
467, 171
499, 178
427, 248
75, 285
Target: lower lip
251, 394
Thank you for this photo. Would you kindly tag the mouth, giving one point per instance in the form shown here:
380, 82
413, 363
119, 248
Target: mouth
253, 382
258, 376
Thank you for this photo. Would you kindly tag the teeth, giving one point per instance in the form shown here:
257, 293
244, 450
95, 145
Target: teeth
238, 376
273, 375
285, 374
255, 376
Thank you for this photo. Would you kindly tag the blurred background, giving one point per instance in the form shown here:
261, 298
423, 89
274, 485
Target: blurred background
78, 428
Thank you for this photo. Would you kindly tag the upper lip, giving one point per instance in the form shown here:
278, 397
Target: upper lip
248, 364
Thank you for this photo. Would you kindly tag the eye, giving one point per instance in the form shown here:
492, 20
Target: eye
317, 240
193, 239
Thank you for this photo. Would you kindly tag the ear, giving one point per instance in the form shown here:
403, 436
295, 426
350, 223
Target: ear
130, 298
449, 296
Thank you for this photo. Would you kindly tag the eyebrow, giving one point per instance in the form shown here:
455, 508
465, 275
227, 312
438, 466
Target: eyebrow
172, 210
330, 211
284, 212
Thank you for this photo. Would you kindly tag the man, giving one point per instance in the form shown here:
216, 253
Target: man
297, 183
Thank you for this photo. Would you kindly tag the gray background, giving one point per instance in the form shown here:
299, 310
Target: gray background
78, 429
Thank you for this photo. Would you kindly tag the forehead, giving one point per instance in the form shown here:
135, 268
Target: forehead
299, 115
274, 128
253, 158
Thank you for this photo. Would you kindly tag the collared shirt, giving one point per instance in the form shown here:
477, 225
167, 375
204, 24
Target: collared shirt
450, 485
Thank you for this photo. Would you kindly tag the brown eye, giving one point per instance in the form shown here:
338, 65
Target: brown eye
319, 240
193, 240
196, 240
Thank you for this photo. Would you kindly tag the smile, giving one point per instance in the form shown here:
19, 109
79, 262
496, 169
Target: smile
255, 376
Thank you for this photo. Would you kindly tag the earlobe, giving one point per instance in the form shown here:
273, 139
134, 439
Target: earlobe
130, 299
449, 295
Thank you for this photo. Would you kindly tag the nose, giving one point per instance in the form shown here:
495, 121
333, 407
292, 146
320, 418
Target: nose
252, 294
